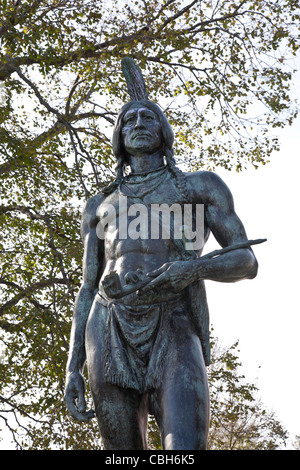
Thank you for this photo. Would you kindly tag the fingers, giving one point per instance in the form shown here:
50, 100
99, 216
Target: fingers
161, 279
78, 412
158, 271
86, 416
82, 416
81, 404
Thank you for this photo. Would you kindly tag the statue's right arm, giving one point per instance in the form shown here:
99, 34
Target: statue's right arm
92, 260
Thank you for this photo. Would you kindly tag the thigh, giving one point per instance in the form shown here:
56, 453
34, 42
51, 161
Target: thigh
121, 413
181, 404
122, 418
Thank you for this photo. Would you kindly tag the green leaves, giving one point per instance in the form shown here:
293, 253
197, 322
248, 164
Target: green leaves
220, 71
216, 58
239, 420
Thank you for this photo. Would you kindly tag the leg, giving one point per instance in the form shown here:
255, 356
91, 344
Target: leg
122, 413
122, 418
181, 405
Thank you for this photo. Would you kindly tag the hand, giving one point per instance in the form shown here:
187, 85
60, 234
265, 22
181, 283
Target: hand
74, 398
174, 276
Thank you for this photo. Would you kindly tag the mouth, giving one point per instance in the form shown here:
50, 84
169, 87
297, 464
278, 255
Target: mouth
141, 135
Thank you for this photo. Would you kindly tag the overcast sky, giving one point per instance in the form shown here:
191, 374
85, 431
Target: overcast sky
264, 313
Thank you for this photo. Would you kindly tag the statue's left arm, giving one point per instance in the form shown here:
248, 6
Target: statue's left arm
228, 230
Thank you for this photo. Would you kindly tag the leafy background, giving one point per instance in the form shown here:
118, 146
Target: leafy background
220, 69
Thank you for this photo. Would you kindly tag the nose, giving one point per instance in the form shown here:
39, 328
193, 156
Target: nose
139, 121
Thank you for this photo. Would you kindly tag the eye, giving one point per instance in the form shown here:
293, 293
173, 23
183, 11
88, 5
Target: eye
148, 117
129, 120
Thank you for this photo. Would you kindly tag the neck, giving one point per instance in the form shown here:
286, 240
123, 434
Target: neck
144, 163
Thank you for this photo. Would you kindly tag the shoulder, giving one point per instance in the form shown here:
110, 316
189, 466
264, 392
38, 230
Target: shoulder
89, 213
208, 187
92, 204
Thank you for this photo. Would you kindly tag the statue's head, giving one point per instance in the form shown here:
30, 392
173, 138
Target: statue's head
165, 130
138, 100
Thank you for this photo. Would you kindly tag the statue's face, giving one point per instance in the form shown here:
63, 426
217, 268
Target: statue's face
141, 131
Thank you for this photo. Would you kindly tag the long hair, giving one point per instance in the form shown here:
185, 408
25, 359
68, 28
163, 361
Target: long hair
168, 152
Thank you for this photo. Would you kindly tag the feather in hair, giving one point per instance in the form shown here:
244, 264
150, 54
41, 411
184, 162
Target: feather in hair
134, 79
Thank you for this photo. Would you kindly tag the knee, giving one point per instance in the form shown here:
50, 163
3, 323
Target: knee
195, 441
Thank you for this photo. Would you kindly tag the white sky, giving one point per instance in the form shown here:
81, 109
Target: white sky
264, 313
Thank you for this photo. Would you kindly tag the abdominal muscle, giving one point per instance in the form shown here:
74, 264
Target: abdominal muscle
128, 256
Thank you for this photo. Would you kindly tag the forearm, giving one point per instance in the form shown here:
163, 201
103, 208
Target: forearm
230, 267
83, 304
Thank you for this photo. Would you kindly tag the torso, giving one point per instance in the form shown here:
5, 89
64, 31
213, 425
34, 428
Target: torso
125, 255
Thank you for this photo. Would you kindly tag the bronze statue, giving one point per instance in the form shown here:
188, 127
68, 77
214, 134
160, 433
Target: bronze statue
141, 317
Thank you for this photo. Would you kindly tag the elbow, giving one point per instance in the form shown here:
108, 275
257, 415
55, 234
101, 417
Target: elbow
89, 287
248, 264
253, 267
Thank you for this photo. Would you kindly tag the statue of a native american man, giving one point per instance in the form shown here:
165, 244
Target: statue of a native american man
141, 317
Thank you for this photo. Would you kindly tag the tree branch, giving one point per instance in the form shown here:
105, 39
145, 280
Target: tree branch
28, 290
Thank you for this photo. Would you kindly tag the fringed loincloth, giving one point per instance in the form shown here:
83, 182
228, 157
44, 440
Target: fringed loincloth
136, 342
